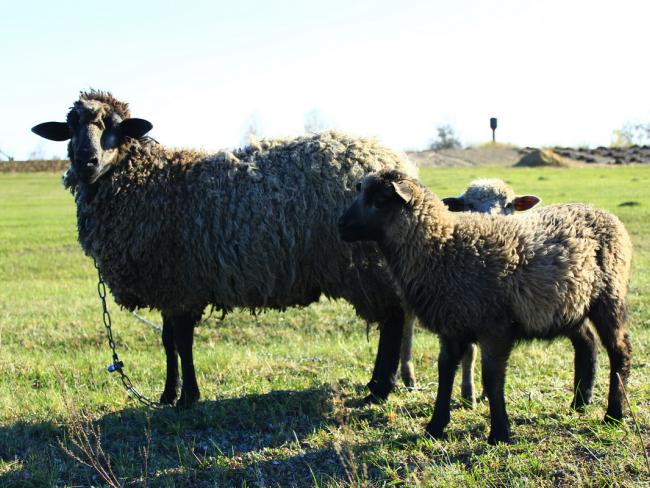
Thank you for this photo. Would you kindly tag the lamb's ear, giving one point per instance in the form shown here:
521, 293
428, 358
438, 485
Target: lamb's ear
454, 204
404, 190
54, 131
135, 128
525, 202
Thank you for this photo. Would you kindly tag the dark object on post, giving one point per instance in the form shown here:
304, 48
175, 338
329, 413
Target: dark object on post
493, 126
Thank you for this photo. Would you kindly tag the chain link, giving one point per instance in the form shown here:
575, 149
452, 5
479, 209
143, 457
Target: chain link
118, 366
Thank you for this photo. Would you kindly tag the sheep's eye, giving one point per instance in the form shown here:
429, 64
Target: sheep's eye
509, 206
358, 187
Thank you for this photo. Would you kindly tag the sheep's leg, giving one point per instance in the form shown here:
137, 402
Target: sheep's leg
610, 322
183, 338
170, 393
494, 359
467, 368
451, 351
584, 344
384, 375
406, 351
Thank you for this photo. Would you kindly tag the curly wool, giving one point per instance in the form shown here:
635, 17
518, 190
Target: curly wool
177, 229
539, 273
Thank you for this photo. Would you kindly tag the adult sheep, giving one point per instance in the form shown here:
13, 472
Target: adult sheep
177, 229
489, 196
497, 280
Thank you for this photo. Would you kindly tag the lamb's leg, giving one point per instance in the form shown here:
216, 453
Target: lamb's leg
384, 374
584, 344
610, 321
406, 351
451, 351
467, 368
183, 338
494, 359
170, 393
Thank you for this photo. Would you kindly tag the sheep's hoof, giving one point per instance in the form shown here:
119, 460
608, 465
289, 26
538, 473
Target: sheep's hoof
168, 398
436, 431
579, 403
613, 419
579, 407
372, 399
186, 402
501, 438
467, 402
409, 382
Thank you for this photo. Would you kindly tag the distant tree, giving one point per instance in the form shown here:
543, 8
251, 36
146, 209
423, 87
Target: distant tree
5, 155
446, 138
315, 121
631, 134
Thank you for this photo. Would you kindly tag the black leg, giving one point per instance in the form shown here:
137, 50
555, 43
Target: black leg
451, 351
610, 322
494, 357
384, 375
584, 344
183, 338
170, 393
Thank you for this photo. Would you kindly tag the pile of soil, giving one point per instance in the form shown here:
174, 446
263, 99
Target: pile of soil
545, 157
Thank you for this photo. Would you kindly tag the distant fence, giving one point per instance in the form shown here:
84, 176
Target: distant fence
52, 165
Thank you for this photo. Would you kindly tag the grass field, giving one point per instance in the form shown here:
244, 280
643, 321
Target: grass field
279, 390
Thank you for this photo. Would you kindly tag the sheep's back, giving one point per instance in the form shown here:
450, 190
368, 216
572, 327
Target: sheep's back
254, 228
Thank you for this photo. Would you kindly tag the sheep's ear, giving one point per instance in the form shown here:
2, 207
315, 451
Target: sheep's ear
454, 204
404, 190
54, 131
525, 202
135, 128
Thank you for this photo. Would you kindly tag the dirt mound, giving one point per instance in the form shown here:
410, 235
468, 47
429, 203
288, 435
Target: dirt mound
544, 157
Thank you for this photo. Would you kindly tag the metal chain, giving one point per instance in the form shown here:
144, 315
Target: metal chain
118, 366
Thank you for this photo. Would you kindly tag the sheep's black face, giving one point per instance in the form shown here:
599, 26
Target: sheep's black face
376, 203
96, 132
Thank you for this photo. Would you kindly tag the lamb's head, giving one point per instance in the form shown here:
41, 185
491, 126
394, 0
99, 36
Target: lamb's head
97, 126
381, 198
490, 196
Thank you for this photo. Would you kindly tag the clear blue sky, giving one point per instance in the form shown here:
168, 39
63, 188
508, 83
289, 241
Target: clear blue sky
554, 72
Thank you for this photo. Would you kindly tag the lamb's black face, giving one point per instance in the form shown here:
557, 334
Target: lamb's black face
365, 220
95, 132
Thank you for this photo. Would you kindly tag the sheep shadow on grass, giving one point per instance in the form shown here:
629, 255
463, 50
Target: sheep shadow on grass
230, 441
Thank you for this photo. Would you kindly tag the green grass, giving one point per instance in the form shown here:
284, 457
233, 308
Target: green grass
279, 390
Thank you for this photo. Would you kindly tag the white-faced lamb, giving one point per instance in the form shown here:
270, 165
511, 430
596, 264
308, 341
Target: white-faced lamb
497, 280
177, 230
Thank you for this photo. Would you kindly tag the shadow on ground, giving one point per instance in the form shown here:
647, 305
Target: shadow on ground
259, 439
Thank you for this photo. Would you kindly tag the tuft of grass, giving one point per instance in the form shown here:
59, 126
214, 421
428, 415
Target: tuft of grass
279, 389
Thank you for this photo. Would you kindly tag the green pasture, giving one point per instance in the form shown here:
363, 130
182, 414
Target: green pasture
280, 391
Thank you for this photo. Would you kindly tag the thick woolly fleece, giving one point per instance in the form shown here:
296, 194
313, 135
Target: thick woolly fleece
177, 230
536, 275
